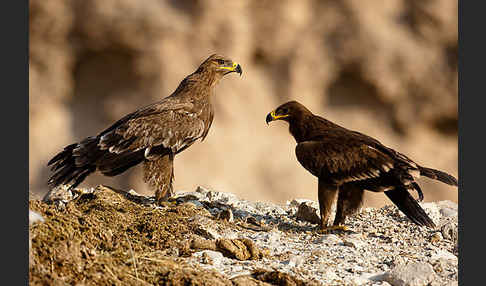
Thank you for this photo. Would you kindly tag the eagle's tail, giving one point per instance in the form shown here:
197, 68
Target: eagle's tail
409, 206
78, 160
438, 175
72, 165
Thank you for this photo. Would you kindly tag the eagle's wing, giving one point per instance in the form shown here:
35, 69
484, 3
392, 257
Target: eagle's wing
342, 162
169, 124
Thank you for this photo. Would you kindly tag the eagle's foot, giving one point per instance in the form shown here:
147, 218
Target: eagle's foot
166, 203
329, 229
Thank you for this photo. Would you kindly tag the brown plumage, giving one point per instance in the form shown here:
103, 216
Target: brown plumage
153, 134
348, 162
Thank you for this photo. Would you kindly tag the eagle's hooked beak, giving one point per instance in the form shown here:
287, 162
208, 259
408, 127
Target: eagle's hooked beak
238, 68
235, 67
272, 116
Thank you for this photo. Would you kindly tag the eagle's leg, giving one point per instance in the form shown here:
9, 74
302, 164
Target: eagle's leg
159, 174
326, 194
350, 199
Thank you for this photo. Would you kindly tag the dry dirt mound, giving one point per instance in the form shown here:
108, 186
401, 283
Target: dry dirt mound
102, 237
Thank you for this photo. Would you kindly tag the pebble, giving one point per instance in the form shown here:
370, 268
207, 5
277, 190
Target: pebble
35, 217
436, 237
355, 243
329, 238
448, 212
209, 257
307, 212
295, 261
227, 215
443, 254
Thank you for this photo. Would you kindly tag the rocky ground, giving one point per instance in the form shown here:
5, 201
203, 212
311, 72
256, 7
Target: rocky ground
103, 236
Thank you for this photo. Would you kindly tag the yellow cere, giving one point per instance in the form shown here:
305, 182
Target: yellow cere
277, 116
235, 64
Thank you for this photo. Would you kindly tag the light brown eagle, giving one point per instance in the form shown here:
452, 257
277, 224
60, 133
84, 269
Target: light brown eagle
153, 134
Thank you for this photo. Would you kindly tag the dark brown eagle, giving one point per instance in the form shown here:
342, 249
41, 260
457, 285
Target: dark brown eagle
348, 162
153, 134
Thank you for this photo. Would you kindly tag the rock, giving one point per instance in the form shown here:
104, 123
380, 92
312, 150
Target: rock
227, 215
279, 278
270, 237
297, 202
295, 261
221, 197
209, 257
58, 196
449, 231
188, 196
253, 224
207, 232
354, 242
436, 237
203, 244
195, 203
443, 254
412, 274
204, 227
329, 238
35, 217
241, 249
448, 212
247, 280
307, 212
370, 277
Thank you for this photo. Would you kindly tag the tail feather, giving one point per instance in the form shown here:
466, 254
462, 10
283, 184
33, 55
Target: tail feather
66, 168
409, 206
62, 156
438, 175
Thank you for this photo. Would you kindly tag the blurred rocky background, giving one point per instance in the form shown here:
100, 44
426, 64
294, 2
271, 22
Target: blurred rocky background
384, 68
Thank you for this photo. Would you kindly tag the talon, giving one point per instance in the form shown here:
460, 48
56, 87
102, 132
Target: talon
339, 227
167, 203
328, 229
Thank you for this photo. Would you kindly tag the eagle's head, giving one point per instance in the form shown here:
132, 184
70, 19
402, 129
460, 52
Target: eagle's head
219, 66
287, 112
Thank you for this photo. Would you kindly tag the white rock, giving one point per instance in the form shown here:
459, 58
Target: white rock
355, 243
448, 212
295, 260
209, 257
330, 238
360, 280
35, 217
411, 274
443, 254
298, 202
189, 196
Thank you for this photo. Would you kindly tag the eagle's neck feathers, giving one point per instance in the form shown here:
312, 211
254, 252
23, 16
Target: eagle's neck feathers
304, 127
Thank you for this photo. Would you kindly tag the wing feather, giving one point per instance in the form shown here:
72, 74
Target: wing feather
342, 162
171, 124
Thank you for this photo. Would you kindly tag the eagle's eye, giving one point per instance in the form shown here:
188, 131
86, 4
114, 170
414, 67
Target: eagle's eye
284, 110
221, 62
